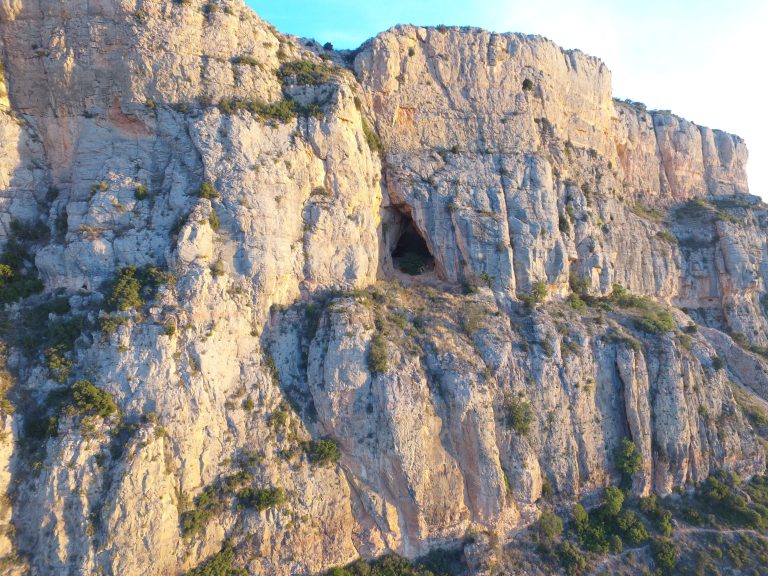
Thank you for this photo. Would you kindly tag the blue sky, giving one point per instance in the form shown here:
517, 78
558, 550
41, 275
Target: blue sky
704, 60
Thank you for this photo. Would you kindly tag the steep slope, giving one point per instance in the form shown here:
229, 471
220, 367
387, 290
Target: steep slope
304, 306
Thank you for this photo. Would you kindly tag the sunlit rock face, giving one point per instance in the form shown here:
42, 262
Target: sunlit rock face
354, 281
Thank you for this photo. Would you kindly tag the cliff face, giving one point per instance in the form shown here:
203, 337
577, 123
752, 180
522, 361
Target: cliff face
268, 183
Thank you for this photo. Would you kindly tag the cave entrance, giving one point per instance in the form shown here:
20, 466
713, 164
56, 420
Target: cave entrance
411, 254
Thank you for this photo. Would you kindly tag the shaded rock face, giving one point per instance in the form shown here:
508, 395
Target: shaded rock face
286, 322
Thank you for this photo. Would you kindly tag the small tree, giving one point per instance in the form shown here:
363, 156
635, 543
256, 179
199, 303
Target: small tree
628, 460
613, 500
322, 452
548, 527
664, 553
126, 290
91, 400
519, 415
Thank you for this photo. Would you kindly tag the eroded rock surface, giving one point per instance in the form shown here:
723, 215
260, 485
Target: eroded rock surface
259, 185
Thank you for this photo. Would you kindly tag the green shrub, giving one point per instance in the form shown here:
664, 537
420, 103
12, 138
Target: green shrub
527, 85
651, 317
580, 518
571, 558
442, 563
377, 355
615, 544
631, 528
322, 452
697, 208
577, 303
548, 527
546, 489
219, 565
59, 365
536, 295
141, 193
371, 138
261, 498
90, 400
245, 60
213, 220
283, 110
207, 190
628, 459
16, 281
613, 500
126, 291
519, 415
661, 518
206, 505
305, 72
110, 323
647, 212
278, 419
656, 322
664, 553
717, 363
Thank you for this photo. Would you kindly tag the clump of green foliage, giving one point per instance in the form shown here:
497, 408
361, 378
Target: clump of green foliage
656, 513
140, 192
536, 295
219, 565
322, 452
305, 72
548, 527
377, 355
651, 317
527, 85
575, 302
125, 294
206, 505
596, 528
571, 558
207, 190
213, 220
87, 399
18, 279
721, 495
628, 460
664, 553
647, 212
518, 414
372, 138
246, 60
132, 286
282, 111
261, 499
438, 563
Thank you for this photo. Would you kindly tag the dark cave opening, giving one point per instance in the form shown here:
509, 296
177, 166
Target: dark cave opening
411, 254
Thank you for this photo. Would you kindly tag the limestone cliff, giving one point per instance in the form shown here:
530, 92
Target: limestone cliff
208, 220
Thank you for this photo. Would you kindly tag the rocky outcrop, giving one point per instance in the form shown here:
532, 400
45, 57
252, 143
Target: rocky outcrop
212, 209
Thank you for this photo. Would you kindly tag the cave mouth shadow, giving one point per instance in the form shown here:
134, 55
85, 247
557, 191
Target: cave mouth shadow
411, 254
